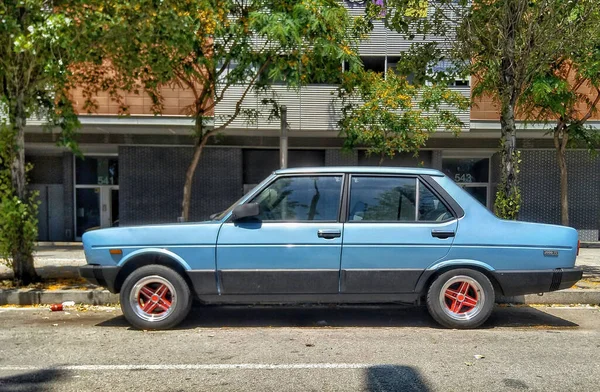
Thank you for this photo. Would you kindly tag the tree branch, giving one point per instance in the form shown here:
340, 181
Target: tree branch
238, 105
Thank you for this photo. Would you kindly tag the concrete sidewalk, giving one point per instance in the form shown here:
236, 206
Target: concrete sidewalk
62, 262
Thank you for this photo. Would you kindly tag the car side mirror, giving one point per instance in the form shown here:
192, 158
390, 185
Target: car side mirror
245, 211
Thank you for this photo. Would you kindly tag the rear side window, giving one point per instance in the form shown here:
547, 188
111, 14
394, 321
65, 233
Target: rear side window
394, 199
431, 208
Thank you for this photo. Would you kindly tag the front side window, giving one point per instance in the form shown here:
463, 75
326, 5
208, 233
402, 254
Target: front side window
394, 199
303, 198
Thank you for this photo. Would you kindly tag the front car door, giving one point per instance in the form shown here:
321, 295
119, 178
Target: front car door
395, 228
292, 247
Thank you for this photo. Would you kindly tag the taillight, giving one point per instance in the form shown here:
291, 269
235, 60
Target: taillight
578, 246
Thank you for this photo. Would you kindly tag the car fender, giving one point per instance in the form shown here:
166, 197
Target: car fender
449, 264
155, 251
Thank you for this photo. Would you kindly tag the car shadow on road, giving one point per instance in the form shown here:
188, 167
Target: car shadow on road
38, 380
394, 378
346, 316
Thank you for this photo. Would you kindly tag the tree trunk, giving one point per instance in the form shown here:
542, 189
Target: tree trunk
23, 267
561, 146
509, 157
189, 175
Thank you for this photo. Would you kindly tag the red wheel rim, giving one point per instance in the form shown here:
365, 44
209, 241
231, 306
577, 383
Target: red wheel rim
461, 297
155, 298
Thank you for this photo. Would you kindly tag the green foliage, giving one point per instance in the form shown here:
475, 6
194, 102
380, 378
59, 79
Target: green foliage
209, 46
566, 91
39, 42
37, 45
18, 218
388, 115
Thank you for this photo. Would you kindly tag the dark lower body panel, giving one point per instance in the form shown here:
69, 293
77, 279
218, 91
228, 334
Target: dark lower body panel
323, 286
104, 276
520, 282
261, 281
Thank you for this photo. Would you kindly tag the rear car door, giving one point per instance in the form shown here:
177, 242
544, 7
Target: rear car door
293, 246
396, 226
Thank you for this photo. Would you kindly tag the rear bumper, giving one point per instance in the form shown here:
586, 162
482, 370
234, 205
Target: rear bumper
100, 275
537, 281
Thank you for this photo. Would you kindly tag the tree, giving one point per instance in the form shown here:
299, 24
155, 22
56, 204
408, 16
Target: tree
35, 51
388, 115
510, 43
567, 93
384, 111
503, 44
209, 46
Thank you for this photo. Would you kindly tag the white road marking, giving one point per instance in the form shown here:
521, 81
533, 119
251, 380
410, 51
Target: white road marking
239, 366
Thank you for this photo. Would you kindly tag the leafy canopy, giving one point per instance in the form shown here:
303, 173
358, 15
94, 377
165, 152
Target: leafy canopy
38, 41
210, 45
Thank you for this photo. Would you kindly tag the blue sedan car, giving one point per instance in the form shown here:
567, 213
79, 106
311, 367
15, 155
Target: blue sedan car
335, 235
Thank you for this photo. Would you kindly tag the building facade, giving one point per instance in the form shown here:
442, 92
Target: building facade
133, 168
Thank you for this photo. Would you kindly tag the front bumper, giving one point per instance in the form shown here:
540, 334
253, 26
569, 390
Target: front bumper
100, 275
520, 282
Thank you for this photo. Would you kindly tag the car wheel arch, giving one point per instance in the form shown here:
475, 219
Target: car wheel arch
148, 258
430, 275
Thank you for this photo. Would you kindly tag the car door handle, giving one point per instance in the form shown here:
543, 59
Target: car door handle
442, 233
329, 234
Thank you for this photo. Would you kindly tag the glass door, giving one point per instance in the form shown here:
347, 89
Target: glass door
87, 211
97, 208
96, 193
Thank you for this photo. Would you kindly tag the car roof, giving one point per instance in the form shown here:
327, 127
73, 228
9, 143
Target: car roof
362, 170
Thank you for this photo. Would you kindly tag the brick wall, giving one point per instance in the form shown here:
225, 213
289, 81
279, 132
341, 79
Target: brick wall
152, 178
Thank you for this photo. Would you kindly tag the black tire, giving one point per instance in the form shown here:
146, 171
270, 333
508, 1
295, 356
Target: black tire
461, 311
151, 289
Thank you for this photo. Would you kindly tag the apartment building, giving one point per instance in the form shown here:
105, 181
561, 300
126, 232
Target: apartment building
133, 167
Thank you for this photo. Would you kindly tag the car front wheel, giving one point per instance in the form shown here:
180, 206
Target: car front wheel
461, 298
155, 297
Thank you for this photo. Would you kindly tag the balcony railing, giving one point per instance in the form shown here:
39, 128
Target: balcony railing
312, 108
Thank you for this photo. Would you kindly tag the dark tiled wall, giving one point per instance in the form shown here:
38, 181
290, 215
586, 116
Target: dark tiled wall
69, 210
337, 157
424, 159
46, 169
540, 185
152, 178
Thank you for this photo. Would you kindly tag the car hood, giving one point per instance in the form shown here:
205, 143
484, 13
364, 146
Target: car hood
203, 233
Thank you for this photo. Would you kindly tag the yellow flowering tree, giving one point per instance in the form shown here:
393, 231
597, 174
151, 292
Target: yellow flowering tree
388, 115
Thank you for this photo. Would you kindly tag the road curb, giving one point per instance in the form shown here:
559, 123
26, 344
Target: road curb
104, 297
562, 297
41, 297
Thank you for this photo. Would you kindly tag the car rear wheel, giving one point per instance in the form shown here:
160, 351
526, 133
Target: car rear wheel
461, 298
155, 297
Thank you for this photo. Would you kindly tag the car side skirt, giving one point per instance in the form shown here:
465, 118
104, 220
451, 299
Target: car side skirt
365, 281
241, 299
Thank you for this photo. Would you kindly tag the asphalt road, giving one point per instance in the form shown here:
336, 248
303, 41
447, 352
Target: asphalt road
291, 349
